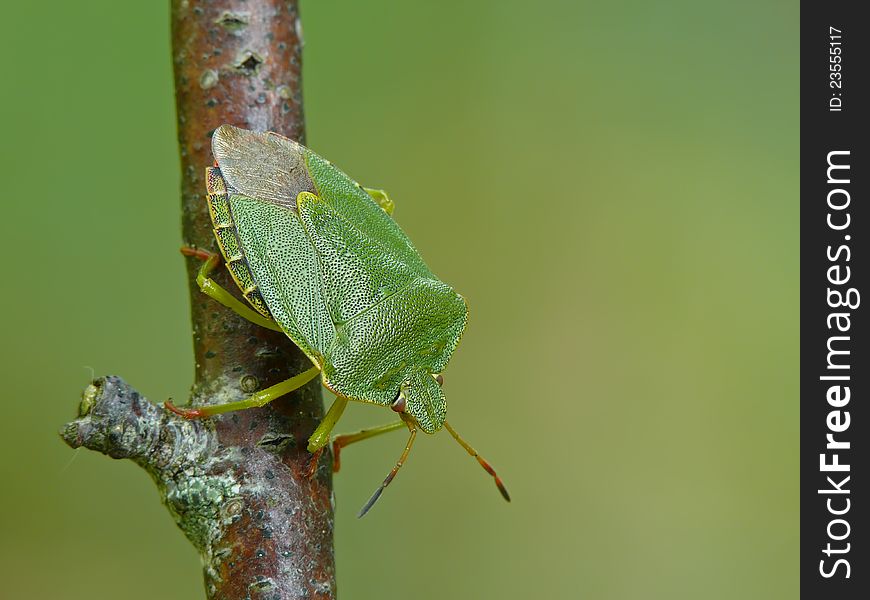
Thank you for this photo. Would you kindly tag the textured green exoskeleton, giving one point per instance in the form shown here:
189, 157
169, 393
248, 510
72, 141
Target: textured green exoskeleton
320, 258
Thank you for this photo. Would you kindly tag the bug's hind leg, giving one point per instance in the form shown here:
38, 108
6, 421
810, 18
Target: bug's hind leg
214, 291
256, 399
380, 196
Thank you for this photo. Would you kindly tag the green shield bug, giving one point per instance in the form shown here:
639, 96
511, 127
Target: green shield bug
319, 257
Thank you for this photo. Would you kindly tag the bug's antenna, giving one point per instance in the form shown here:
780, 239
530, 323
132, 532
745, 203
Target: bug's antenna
486, 466
392, 474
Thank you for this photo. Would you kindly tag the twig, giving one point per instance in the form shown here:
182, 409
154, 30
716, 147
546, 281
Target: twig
235, 484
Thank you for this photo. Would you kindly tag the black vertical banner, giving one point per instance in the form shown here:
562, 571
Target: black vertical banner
835, 372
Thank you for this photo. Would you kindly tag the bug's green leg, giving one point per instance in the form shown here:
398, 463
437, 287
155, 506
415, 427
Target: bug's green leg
341, 441
320, 437
486, 466
216, 292
380, 196
256, 399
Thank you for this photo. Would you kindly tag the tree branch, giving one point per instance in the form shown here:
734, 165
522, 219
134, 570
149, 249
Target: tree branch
236, 484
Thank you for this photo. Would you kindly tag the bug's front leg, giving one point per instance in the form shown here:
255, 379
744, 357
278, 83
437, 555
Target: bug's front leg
211, 289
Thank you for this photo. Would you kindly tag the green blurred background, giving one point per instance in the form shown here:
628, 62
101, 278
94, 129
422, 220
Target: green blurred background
614, 186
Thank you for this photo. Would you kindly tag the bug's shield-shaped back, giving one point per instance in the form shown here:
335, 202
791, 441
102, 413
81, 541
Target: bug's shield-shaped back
339, 275
265, 166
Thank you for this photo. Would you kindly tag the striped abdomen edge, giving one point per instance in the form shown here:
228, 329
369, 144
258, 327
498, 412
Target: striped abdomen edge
228, 240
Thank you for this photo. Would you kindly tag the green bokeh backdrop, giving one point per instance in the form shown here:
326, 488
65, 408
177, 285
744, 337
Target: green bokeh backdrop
614, 186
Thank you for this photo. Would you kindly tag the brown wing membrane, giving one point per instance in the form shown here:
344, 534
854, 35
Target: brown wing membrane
264, 166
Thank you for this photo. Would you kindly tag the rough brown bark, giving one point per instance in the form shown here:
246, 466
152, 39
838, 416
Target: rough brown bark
236, 483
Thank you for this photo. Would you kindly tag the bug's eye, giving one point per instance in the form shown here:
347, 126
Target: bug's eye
399, 403
439, 378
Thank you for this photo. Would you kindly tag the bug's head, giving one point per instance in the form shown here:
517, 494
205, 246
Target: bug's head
420, 398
